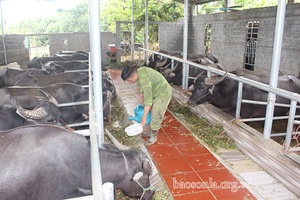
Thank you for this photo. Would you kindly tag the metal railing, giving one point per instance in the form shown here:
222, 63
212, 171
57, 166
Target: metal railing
293, 97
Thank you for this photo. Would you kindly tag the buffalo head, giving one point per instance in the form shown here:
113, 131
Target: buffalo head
203, 88
38, 111
137, 169
52, 68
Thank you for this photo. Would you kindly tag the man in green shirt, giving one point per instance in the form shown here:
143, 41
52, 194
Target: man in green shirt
156, 94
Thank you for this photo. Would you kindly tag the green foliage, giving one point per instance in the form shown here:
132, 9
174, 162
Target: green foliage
214, 7
157, 11
76, 19
73, 20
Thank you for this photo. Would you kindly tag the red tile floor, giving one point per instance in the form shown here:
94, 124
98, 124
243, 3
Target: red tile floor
189, 169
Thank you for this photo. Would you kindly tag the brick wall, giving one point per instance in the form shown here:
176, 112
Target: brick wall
228, 37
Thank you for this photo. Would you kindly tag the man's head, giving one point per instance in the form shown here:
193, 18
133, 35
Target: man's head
129, 74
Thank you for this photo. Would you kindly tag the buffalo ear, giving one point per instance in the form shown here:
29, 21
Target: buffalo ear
147, 166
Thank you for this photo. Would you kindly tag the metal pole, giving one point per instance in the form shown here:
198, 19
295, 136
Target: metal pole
96, 102
3, 35
289, 129
281, 7
146, 30
239, 101
185, 72
118, 40
132, 31
95, 46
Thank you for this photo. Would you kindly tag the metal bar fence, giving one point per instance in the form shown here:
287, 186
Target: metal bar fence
294, 97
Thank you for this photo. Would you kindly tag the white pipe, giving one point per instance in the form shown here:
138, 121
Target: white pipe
132, 31
185, 69
96, 112
95, 65
146, 29
290, 125
3, 36
281, 7
239, 101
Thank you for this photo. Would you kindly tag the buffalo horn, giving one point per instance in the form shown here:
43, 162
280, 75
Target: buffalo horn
50, 97
220, 67
117, 144
147, 166
167, 71
48, 64
44, 69
215, 80
161, 63
212, 58
37, 113
199, 75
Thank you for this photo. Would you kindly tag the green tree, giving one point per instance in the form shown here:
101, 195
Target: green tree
158, 11
214, 7
72, 20
76, 19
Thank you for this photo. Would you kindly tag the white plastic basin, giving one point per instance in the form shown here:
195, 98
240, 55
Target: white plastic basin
134, 129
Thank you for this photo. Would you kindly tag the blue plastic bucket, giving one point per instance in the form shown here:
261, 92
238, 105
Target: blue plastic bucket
139, 111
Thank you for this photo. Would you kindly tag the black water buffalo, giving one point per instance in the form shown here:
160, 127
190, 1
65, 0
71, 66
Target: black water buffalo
106, 98
239, 72
37, 62
254, 74
159, 62
68, 65
75, 55
222, 92
26, 110
50, 163
108, 84
10, 77
175, 75
61, 92
45, 80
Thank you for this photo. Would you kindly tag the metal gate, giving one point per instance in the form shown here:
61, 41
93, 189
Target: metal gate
250, 47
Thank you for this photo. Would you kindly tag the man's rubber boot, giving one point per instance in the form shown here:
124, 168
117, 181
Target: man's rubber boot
152, 139
146, 132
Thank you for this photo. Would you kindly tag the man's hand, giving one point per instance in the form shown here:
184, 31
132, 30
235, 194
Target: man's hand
144, 118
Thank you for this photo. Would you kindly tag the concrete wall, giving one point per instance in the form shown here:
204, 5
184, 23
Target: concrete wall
228, 37
79, 41
15, 50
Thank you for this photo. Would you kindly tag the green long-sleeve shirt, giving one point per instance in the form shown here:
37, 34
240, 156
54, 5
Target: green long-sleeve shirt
152, 84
